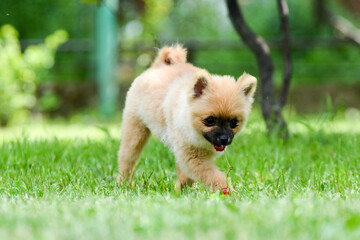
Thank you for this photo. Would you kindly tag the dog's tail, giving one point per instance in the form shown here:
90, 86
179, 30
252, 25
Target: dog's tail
170, 55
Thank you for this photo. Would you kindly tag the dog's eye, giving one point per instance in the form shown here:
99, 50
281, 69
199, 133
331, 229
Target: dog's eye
234, 123
210, 121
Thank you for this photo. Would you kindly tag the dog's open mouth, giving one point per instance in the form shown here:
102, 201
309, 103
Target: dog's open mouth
219, 148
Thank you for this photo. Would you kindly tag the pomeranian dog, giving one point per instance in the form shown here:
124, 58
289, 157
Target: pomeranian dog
194, 113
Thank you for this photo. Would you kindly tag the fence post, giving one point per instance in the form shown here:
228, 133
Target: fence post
106, 51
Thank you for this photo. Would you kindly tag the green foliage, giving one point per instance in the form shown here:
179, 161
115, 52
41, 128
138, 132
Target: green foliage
158, 22
156, 12
90, 1
203, 21
197, 19
21, 72
34, 19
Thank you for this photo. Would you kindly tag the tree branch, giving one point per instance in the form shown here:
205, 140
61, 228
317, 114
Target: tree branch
262, 53
284, 17
271, 111
345, 28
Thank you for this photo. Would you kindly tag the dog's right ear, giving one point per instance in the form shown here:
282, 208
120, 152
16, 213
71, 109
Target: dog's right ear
247, 84
200, 83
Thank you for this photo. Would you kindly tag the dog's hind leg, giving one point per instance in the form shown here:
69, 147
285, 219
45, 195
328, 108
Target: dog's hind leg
134, 137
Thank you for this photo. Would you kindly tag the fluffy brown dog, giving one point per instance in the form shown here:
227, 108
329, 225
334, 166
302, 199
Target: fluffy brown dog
192, 112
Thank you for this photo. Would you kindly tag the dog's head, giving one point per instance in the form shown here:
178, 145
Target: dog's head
220, 106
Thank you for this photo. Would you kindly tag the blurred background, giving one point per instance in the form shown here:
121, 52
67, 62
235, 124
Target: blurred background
60, 59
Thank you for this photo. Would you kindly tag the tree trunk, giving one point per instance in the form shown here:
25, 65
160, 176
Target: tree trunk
285, 26
271, 109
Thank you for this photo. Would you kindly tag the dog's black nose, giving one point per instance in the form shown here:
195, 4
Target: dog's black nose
224, 140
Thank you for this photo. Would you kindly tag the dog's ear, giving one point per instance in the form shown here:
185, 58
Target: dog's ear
200, 83
247, 84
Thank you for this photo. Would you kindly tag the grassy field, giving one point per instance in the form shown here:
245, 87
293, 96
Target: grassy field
57, 181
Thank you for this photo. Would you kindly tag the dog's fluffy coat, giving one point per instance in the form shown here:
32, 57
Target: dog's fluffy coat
192, 112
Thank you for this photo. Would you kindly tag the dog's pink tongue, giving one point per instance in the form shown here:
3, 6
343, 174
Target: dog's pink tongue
219, 148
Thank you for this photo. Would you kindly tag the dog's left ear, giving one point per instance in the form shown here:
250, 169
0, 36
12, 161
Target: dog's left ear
200, 83
247, 84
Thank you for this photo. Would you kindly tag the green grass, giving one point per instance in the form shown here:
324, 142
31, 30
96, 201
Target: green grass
57, 181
